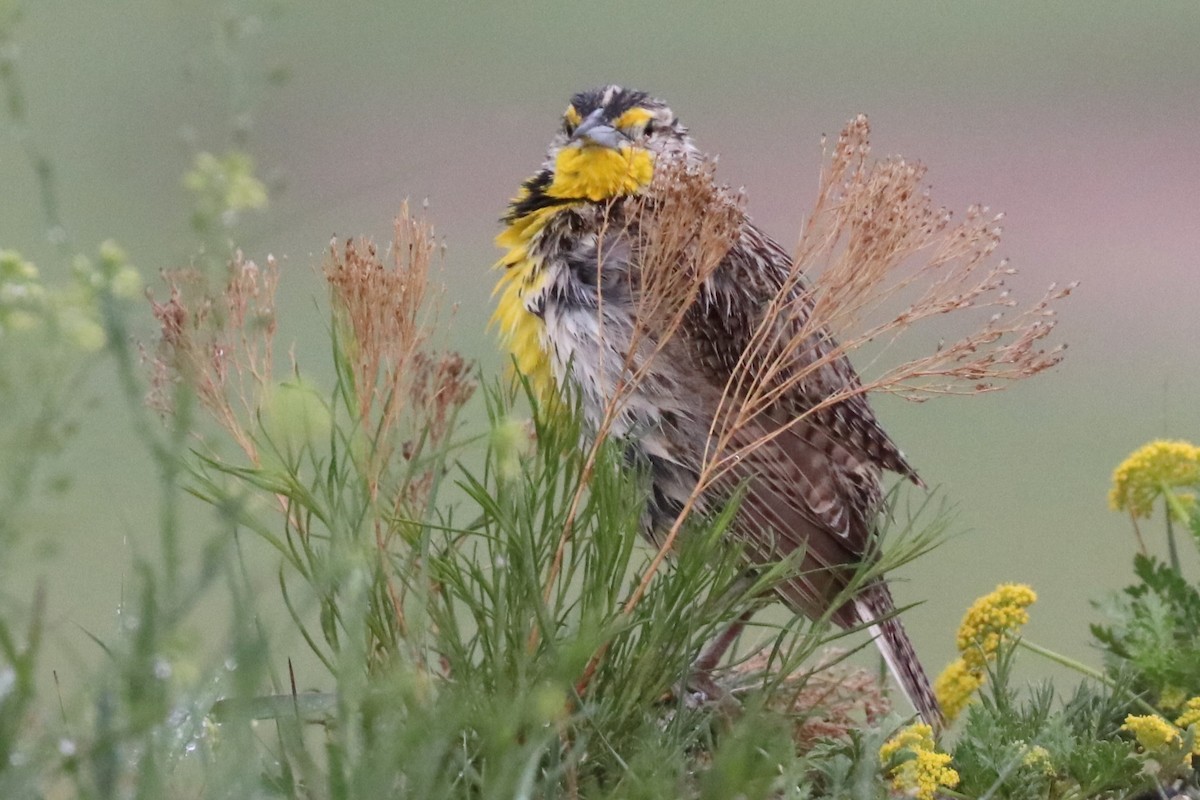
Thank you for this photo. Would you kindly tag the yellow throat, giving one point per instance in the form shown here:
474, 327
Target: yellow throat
598, 173
582, 174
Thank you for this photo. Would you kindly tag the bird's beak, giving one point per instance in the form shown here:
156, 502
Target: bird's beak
594, 131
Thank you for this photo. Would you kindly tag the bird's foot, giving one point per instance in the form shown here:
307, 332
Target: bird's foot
701, 690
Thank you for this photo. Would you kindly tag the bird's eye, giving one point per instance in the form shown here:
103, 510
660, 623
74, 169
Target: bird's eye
649, 128
571, 120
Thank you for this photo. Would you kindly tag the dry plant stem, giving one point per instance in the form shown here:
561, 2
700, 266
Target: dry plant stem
853, 283
220, 346
661, 555
685, 240
403, 395
873, 237
643, 586
681, 248
381, 549
585, 478
588, 465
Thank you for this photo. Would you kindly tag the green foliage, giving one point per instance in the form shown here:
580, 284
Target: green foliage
750, 759
1153, 630
50, 336
222, 188
1036, 747
848, 768
483, 655
1119, 732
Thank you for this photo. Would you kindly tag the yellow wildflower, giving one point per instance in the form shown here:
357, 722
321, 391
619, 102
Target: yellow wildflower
927, 771
956, 686
1171, 697
223, 186
918, 736
991, 619
1191, 713
1152, 731
1038, 757
13, 268
1151, 470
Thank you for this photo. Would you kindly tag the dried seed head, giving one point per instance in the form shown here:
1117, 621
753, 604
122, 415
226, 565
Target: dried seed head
406, 392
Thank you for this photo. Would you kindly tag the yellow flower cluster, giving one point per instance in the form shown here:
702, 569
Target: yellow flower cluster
992, 619
225, 183
1038, 757
1152, 731
927, 771
73, 311
1191, 713
1151, 470
1171, 697
988, 621
956, 686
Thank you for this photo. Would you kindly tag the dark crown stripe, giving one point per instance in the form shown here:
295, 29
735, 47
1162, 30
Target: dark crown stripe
624, 99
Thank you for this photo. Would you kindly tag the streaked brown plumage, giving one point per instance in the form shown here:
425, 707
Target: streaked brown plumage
567, 305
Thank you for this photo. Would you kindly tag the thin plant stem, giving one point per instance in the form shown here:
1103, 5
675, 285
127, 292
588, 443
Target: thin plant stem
39, 162
1172, 547
1084, 669
165, 450
1176, 506
1171, 509
1137, 532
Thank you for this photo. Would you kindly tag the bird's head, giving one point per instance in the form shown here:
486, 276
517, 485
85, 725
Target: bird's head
609, 142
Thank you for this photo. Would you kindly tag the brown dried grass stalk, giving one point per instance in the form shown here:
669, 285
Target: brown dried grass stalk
688, 221
406, 394
874, 237
402, 394
219, 345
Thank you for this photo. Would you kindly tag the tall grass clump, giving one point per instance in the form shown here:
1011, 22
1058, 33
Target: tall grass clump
464, 654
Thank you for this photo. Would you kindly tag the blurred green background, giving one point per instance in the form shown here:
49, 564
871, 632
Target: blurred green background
1077, 119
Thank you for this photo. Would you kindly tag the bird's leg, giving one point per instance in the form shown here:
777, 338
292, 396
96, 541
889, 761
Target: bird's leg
712, 655
700, 680
717, 649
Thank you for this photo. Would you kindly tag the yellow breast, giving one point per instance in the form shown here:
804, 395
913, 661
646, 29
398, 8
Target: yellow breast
581, 174
520, 329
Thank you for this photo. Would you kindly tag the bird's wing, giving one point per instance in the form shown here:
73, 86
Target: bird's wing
803, 498
810, 469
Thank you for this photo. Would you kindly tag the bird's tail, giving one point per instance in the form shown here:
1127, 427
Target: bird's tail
876, 609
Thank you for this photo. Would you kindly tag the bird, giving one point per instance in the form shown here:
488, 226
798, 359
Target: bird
565, 312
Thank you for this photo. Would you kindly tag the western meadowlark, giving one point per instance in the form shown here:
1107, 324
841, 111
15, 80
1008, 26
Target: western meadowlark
567, 315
